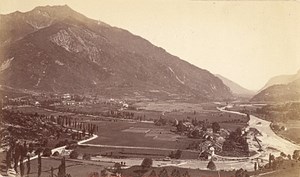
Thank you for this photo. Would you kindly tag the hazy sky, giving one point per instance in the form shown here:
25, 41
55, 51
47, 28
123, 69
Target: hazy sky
247, 42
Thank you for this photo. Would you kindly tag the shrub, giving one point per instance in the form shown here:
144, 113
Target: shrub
55, 154
74, 155
61, 143
38, 151
47, 152
86, 157
211, 165
147, 163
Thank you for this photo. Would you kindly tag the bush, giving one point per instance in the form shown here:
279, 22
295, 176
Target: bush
55, 154
211, 165
38, 151
147, 163
62, 143
175, 155
86, 157
47, 152
117, 167
74, 155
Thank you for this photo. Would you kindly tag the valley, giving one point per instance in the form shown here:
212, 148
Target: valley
129, 132
83, 98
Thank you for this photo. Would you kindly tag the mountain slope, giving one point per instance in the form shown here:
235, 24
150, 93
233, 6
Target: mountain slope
236, 88
66, 52
282, 79
280, 93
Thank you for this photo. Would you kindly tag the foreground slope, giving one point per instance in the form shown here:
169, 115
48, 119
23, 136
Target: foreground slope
56, 49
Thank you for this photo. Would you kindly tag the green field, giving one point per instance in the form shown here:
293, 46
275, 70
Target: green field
112, 133
137, 171
74, 168
133, 153
293, 130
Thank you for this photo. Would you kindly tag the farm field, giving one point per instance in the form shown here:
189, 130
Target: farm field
292, 131
169, 106
75, 168
119, 152
89, 108
182, 171
134, 133
121, 134
38, 110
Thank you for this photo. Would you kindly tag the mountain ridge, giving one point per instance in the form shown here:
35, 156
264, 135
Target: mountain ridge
236, 89
77, 54
282, 79
280, 93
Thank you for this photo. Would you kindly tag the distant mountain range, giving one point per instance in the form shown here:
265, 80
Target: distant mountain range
282, 79
56, 49
280, 93
236, 89
280, 88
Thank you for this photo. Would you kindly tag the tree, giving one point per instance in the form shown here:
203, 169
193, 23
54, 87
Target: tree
16, 155
74, 155
216, 127
177, 154
211, 165
28, 165
22, 166
62, 168
296, 154
239, 131
47, 152
271, 158
8, 158
86, 157
117, 167
282, 154
180, 126
147, 163
39, 165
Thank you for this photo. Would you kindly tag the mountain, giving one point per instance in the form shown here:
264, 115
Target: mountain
235, 88
280, 93
282, 79
56, 49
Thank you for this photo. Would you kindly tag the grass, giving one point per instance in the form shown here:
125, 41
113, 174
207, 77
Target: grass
137, 171
38, 110
74, 168
90, 109
111, 133
133, 153
287, 169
